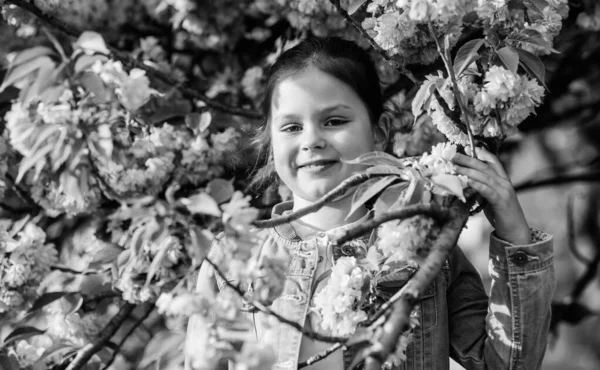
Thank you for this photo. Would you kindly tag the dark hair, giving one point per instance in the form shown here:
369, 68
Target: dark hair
342, 59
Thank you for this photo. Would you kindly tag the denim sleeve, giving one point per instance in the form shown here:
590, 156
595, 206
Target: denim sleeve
508, 329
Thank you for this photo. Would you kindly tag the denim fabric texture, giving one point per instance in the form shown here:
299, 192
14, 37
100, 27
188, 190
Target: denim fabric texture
507, 330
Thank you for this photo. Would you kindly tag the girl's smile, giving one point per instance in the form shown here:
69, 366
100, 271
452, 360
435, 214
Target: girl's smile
317, 123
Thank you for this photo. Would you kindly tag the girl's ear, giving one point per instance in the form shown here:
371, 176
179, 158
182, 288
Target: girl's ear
381, 133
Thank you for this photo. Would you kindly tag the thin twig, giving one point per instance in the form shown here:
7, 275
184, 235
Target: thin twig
84, 354
268, 311
431, 210
320, 356
132, 62
338, 190
592, 176
457, 93
375, 46
128, 334
571, 239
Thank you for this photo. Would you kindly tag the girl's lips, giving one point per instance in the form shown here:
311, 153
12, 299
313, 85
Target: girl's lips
317, 167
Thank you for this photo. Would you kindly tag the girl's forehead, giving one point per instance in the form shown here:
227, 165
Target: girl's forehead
315, 90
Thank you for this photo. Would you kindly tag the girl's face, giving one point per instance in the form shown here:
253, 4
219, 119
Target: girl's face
316, 123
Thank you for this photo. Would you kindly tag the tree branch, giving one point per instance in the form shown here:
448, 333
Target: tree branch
457, 93
268, 311
132, 62
431, 210
592, 176
375, 46
128, 334
84, 355
340, 189
399, 320
320, 356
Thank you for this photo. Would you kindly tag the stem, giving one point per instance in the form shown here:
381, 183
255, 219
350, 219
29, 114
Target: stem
128, 334
132, 62
90, 349
340, 189
592, 176
457, 93
320, 356
268, 311
375, 46
399, 320
431, 210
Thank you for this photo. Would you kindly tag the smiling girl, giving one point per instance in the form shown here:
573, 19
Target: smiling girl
322, 108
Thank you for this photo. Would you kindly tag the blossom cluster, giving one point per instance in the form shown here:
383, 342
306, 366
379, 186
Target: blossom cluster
500, 103
544, 16
337, 304
25, 260
320, 17
49, 138
401, 27
133, 88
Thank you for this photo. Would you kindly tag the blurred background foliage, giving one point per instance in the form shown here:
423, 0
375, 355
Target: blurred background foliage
220, 50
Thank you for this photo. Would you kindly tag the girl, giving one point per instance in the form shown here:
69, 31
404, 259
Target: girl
322, 107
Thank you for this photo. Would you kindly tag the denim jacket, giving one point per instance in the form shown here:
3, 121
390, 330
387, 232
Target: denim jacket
506, 330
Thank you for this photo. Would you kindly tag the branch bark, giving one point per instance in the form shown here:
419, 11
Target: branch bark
399, 319
591, 176
84, 355
340, 189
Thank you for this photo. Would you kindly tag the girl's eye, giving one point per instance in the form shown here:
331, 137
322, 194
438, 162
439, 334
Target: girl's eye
335, 122
292, 127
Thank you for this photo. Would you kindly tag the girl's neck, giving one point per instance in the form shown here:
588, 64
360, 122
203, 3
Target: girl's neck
332, 214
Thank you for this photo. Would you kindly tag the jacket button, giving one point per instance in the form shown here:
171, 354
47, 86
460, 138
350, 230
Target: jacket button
520, 258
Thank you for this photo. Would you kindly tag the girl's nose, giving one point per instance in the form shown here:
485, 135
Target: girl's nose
312, 138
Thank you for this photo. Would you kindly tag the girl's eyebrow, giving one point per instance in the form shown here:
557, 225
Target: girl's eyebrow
335, 107
320, 111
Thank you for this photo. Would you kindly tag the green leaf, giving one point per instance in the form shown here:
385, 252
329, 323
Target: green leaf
450, 184
385, 169
532, 65
22, 332
26, 55
92, 83
466, 55
201, 242
45, 299
221, 190
25, 70
354, 5
376, 158
368, 190
533, 37
389, 197
202, 203
107, 254
161, 344
510, 58
164, 248
85, 61
74, 300
35, 160
536, 6
421, 97
18, 226
414, 192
